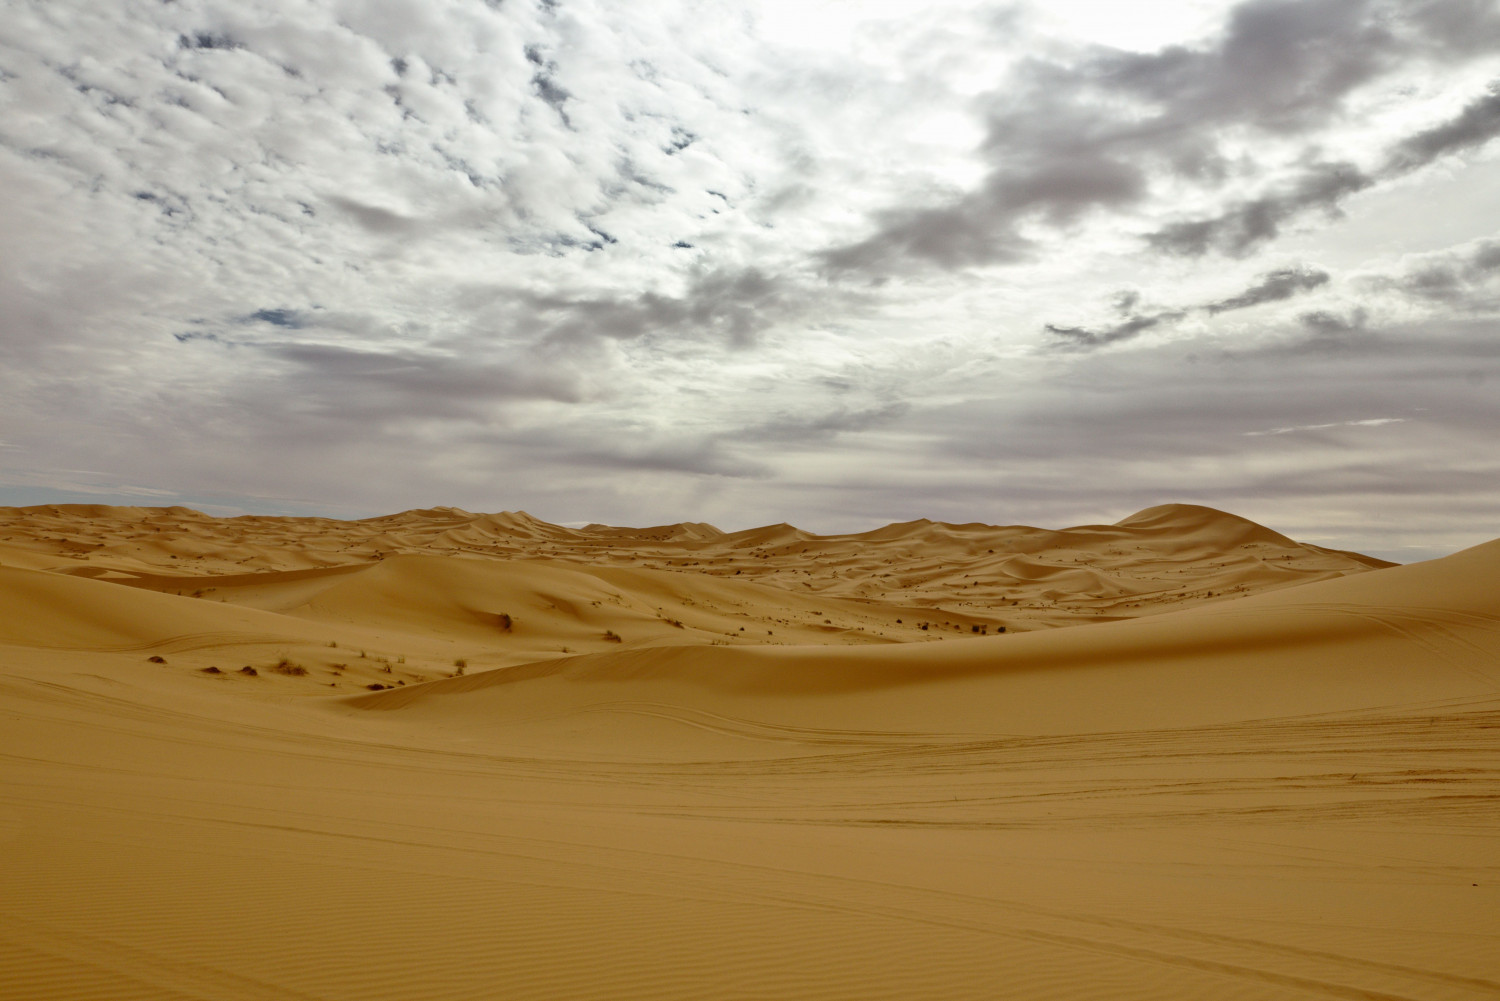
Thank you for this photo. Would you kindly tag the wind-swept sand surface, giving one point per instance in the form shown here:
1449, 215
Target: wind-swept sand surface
1247, 767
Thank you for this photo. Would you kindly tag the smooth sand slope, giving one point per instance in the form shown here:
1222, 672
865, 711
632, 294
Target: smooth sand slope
1289, 794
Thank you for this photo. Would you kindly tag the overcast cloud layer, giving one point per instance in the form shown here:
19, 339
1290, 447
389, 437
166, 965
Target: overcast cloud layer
837, 264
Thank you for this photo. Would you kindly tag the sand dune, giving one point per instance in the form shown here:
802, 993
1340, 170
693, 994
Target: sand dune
1222, 663
1019, 577
1249, 767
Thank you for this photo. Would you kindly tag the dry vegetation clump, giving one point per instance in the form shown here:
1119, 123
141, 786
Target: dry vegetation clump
287, 666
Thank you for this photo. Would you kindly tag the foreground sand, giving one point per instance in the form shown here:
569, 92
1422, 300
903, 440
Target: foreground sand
1294, 793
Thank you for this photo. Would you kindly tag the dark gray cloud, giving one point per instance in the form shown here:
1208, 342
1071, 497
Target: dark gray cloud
1282, 283
1461, 277
1083, 338
1457, 26
1476, 125
1331, 330
1282, 66
1247, 224
1067, 139
1273, 286
969, 233
1103, 132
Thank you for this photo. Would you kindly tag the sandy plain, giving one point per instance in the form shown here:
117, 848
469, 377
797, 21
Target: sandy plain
443, 755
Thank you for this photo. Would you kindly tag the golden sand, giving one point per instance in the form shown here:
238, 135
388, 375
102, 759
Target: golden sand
442, 755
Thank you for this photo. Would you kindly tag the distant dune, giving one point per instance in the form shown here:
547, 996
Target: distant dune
444, 755
1021, 578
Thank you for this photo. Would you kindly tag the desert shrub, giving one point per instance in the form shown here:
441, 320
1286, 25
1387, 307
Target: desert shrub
377, 687
612, 636
156, 660
286, 666
504, 621
249, 671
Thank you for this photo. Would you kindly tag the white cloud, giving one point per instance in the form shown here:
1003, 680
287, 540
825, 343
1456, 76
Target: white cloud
1365, 423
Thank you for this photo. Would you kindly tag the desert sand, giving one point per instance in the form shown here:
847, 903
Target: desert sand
444, 755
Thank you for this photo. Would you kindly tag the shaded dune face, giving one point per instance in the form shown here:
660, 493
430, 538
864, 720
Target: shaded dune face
444, 755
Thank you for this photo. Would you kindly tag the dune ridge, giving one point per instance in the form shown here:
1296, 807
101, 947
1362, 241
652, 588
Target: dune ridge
1159, 558
447, 755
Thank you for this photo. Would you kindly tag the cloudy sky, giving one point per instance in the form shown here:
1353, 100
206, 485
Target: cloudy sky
832, 262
